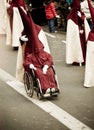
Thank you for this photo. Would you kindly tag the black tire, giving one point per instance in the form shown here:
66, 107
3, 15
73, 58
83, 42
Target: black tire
39, 92
28, 83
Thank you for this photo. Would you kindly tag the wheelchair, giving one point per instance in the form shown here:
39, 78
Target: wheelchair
32, 84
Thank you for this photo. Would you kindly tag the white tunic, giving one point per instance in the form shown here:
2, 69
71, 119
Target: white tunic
89, 68
73, 43
3, 17
17, 27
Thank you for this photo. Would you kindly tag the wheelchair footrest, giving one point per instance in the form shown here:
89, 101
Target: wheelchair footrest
47, 95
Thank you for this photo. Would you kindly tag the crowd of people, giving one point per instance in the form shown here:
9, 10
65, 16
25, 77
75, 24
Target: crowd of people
33, 50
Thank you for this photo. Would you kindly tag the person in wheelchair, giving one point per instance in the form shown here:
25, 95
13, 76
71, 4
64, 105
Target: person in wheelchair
36, 55
42, 64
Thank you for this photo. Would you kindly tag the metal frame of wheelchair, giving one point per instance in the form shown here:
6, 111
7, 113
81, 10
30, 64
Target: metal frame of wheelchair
32, 84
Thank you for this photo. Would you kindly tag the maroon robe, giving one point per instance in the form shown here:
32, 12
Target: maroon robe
39, 60
82, 35
31, 30
15, 3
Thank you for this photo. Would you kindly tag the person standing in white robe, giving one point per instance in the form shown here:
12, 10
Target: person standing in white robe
16, 26
89, 68
4, 21
77, 32
3, 18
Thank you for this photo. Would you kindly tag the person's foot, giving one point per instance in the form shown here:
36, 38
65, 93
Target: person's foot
52, 90
53, 31
15, 48
86, 86
48, 90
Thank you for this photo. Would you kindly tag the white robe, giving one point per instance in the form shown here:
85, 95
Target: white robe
17, 27
89, 68
73, 43
3, 17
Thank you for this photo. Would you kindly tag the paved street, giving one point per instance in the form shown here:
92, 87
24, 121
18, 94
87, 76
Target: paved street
73, 109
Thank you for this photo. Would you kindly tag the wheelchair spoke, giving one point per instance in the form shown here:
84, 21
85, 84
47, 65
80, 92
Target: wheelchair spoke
28, 83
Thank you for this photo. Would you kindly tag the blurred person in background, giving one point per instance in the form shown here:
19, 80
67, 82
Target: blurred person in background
51, 14
63, 11
69, 3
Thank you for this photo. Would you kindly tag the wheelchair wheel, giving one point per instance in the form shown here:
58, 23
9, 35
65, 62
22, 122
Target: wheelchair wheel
28, 83
39, 91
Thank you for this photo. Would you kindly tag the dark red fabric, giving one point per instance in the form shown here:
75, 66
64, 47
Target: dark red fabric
82, 35
73, 13
39, 60
91, 35
32, 31
16, 3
